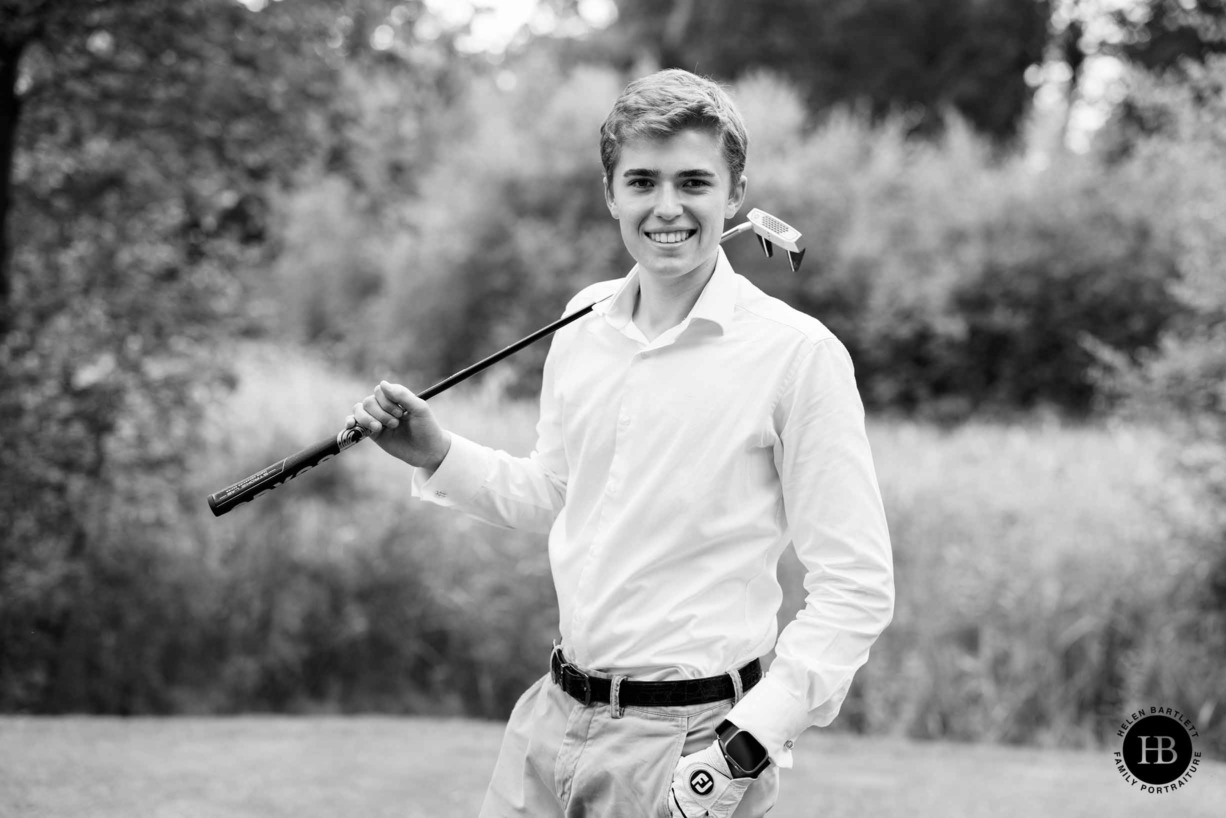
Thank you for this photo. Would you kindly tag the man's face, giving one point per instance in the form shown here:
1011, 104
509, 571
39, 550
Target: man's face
671, 197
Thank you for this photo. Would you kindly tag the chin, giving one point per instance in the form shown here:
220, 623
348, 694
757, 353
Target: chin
668, 268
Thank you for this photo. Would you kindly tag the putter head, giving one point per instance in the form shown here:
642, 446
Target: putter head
772, 231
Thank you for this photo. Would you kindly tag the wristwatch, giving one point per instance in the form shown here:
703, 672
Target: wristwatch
745, 756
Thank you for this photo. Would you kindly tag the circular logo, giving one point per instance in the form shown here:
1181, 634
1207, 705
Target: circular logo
1157, 750
701, 782
1157, 753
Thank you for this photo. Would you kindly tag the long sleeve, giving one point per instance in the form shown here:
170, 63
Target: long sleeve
500, 489
838, 527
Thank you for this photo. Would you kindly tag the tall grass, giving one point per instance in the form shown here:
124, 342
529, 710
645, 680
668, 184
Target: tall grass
1032, 561
338, 591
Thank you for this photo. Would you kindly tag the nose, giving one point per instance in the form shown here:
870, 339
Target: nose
668, 203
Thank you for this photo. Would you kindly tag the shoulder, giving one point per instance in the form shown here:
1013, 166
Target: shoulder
586, 297
779, 320
593, 293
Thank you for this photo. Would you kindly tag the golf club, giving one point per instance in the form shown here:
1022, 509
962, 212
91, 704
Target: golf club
769, 230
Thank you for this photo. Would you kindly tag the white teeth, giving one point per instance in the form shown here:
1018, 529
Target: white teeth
671, 238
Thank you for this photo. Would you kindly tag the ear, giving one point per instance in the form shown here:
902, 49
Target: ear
608, 196
736, 197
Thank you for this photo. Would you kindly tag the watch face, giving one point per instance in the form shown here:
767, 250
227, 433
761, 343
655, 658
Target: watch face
745, 751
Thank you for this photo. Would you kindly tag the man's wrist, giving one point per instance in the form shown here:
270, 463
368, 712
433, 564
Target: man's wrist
431, 465
745, 755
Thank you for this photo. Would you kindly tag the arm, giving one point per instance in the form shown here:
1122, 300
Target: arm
495, 487
838, 528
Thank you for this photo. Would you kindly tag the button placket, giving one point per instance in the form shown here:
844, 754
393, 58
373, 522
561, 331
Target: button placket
612, 487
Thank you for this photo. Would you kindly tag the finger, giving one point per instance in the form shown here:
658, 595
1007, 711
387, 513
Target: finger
386, 402
401, 396
366, 420
376, 410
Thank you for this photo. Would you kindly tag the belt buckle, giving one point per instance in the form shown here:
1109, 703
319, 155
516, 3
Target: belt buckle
574, 673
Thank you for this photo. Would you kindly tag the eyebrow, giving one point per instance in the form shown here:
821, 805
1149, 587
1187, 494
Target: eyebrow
655, 174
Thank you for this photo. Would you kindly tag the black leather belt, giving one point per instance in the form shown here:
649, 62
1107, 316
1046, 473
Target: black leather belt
594, 689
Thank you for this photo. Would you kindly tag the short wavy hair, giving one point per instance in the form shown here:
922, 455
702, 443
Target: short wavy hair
667, 102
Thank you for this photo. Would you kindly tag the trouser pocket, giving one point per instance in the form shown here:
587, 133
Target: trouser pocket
627, 763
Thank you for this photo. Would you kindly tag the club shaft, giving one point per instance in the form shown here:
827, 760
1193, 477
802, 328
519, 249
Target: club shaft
468, 372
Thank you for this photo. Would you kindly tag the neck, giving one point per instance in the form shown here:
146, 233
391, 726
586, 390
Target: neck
662, 305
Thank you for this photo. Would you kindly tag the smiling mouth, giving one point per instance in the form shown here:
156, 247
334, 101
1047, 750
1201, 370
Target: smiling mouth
671, 236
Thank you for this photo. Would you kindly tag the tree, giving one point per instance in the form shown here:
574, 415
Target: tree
139, 141
891, 55
1161, 33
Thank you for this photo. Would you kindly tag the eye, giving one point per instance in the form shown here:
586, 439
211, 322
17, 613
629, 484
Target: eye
694, 184
640, 182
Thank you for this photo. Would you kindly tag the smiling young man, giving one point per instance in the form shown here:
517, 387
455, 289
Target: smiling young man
690, 428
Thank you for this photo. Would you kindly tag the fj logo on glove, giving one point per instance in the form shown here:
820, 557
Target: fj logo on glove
701, 782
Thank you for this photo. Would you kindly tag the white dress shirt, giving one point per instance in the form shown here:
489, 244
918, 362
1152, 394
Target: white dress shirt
671, 474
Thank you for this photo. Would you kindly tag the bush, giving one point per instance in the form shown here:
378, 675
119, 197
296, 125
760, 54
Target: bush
959, 278
512, 224
1065, 273
1180, 167
331, 266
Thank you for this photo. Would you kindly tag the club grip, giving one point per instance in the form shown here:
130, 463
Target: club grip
278, 473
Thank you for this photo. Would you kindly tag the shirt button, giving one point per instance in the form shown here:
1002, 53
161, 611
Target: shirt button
789, 744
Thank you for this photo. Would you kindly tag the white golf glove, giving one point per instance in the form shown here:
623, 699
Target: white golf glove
703, 786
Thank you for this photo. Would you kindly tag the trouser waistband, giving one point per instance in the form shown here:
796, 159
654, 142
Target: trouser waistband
595, 689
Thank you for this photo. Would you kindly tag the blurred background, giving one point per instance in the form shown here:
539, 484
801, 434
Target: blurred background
224, 221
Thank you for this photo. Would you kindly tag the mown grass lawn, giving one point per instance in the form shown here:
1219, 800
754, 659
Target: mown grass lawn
374, 767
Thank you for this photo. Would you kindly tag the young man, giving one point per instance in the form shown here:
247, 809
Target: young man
690, 427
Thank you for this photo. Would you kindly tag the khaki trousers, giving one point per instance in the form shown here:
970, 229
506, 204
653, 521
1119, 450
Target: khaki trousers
561, 758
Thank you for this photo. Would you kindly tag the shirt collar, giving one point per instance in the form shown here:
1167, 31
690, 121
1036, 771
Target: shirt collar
715, 304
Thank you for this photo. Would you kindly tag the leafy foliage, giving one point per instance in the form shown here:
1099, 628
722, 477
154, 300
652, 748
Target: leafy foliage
1161, 34
959, 280
893, 56
147, 142
499, 230
1180, 163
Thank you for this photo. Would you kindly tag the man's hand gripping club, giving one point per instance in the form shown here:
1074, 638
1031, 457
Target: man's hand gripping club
402, 425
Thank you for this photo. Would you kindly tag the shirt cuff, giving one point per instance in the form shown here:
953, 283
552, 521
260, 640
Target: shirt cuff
458, 478
774, 716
